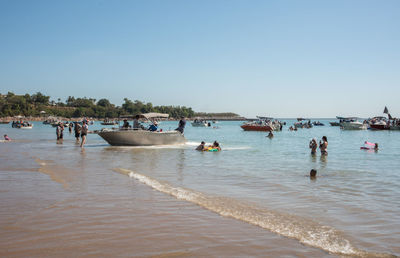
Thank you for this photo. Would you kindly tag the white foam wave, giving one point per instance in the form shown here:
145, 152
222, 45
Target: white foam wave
304, 230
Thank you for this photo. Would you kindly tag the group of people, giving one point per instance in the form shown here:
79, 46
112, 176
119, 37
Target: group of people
323, 146
81, 131
213, 147
153, 126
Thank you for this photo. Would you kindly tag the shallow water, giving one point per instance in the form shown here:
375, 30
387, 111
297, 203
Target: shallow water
252, 199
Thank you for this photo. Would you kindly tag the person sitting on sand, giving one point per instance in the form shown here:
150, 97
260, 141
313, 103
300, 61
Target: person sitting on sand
7, 138
201, 147
313, 146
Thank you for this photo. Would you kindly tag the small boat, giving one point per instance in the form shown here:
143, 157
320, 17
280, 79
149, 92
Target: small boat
317, 123
379, 123
141, 137
334, 123
352, 123
22, 125
200, 123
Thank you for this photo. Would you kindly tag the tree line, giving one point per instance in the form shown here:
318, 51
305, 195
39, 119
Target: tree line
34, 105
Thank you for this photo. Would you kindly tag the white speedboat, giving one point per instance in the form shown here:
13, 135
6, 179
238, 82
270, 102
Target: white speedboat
351, 123
200, 123
142, 137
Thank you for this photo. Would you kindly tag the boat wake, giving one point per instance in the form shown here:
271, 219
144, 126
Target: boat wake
304, 230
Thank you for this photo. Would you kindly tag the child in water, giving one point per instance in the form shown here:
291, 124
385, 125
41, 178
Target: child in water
7, 138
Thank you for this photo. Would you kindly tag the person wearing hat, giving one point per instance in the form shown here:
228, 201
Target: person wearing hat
126, 124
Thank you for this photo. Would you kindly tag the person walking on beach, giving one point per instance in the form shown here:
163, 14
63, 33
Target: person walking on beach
84, 131
323, 146
77, 130
182, 124
313, 146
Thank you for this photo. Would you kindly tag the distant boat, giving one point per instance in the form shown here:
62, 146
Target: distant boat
317, 123
352, 123
109, 122
379, 123
263, 124
200, 123
22, 125
334, 123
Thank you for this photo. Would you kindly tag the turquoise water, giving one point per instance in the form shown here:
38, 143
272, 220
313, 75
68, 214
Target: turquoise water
351, 208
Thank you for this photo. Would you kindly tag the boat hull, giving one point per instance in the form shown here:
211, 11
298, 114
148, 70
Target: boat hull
353, 126
379, 127
142, 137
259, 128
200, 124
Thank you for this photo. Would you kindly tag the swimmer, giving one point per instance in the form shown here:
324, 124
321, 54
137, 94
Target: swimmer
270, 135
7, 138
313, 173
201, 147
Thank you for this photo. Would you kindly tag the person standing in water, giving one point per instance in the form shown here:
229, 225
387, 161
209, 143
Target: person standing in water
59, 132
182, 124
85, 129
77, 130
313, 146
323, 146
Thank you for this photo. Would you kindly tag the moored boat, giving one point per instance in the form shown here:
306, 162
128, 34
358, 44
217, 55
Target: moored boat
262, 124
200, 123
352, 123
109, 122
142, 137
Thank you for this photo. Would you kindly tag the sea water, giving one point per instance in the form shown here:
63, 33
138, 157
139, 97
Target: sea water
254, 198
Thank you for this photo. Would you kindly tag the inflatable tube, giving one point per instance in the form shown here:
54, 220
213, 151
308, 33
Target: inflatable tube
211, 149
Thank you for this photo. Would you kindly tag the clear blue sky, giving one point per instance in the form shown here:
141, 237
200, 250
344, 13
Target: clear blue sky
276, 58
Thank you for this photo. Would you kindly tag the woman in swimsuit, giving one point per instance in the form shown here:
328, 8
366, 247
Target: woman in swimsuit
324, 145
84, 132
313, 146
